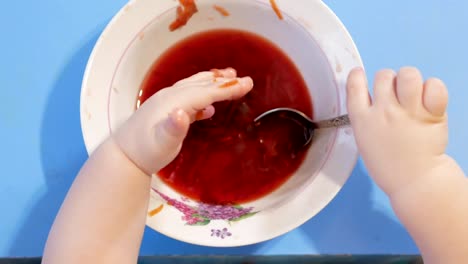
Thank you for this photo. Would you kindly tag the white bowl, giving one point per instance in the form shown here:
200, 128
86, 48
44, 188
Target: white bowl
314, 39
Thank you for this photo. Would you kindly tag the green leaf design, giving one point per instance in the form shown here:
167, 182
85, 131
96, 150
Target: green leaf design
203, 222
198, 216
243, 217
237, 206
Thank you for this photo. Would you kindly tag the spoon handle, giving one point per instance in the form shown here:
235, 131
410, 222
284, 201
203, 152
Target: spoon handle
334, 122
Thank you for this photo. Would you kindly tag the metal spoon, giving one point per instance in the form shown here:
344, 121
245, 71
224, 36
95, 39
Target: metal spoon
303, 120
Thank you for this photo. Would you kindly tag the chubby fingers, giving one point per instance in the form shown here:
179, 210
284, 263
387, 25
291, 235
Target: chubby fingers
203, 114
358, 99
226, 73
198, 93
207, 76
223, 89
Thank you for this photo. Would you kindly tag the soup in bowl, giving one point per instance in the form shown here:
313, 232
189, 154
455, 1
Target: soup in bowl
232, 184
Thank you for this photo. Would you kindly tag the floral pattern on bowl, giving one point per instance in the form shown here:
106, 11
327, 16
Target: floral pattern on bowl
201, 214
221, 233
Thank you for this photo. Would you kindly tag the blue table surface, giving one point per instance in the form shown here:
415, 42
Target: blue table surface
43, 53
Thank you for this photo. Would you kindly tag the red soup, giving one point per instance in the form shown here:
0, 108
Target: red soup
226, 159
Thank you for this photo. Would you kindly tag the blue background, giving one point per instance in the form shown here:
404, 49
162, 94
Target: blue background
43, 51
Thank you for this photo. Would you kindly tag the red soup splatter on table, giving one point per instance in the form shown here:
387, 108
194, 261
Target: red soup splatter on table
227, 159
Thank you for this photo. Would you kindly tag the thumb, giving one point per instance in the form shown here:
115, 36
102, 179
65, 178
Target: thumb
170, 133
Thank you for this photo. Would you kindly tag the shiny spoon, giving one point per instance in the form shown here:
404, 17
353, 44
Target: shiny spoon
300, 118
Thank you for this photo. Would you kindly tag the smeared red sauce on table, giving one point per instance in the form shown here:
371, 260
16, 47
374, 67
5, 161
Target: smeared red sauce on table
226, 159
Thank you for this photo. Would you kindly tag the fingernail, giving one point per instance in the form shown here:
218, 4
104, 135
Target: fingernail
231, 71
216, 73
246, 81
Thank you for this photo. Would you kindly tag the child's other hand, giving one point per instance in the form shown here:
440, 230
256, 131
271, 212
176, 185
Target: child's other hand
402, 132
153, 136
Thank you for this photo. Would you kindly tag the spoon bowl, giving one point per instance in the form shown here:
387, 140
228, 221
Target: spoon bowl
303, 120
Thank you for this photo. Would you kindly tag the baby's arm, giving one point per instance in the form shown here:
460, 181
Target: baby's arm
435, 212
402, 135
103, 216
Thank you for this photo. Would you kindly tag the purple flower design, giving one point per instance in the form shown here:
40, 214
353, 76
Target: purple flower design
219, 212
185, 209
221, 233
190, 214
202, 214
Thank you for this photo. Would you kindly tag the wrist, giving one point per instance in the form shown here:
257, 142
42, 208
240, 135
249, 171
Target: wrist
120, 147
443, 177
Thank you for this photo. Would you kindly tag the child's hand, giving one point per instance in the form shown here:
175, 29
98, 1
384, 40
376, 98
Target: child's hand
402, 133
153, 136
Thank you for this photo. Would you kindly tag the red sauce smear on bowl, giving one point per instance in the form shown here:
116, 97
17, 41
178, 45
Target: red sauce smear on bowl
221, 10
276, 9
226, 159
185, 11
187, 8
